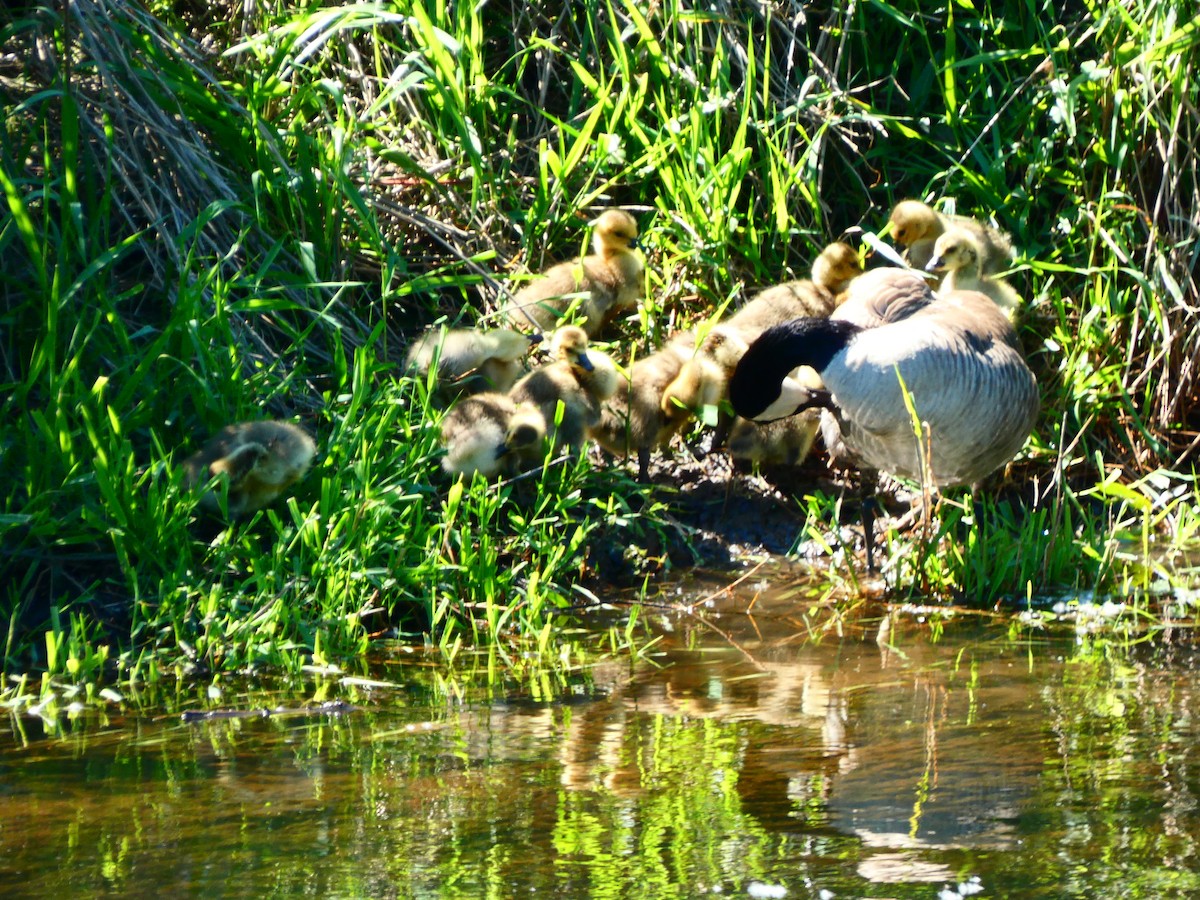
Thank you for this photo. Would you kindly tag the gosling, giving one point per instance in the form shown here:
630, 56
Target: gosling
601, 285
663, 390
470, 360
635, 418
475, 434
956, 256
833, 271
257, 460
917, 227
835, 267
579, 378
783, 442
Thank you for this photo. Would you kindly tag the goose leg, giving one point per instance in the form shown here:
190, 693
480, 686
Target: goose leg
644, 464
866, 509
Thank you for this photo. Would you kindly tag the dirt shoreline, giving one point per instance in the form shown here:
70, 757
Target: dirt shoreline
722, 514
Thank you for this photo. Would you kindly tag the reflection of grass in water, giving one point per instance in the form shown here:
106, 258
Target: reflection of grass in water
258, 233
1047, 768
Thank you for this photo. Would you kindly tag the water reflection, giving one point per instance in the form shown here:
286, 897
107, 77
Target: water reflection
741, 752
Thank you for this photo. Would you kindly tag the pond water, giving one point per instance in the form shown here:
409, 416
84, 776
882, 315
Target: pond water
764, 747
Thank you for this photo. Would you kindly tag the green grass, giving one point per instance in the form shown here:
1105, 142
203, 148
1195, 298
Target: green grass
260, 224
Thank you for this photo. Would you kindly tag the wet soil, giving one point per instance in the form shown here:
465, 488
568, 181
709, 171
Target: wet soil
724, 513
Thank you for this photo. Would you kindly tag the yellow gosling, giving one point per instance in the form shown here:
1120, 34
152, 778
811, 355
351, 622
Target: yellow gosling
598, 287
257, 460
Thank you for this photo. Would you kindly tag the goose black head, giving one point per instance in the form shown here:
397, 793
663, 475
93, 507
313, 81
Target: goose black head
757, 388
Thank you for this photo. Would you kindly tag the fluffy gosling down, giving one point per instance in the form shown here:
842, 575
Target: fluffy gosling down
784, 442
917, 227
600, 286
835, 267
833, 272
663, 390
257, 460
956, 256
490, 434
469, 360
579, 378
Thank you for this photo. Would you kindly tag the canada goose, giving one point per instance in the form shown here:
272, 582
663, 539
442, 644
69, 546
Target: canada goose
959, 359
882, 295
605, 282
917, 226
956, 254
470, 360
259, 460
579, 377
474, 433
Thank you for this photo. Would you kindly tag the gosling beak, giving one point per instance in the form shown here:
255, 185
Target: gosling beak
535, 338
633, 243
935, 265
502, 450
585, 363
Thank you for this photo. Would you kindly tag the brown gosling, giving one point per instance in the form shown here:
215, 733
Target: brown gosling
835, 267
635, 418
778, 304
579, 378
257, 460
833, 271
475, 433
663, 390
956, 255
525, 440
917, 227
784, 442
600, 286
470, 360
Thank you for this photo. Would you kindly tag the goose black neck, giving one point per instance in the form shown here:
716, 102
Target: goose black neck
801, 342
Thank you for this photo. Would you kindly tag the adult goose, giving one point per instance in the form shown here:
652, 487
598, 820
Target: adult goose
958, 358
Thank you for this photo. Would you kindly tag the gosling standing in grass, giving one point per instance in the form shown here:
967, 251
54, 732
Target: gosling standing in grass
598, 287
917, 227
257, 460
663, 390
470, 360
956, 256
579, 378
490, 434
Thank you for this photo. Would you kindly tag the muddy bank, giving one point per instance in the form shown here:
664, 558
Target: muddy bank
722, 513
